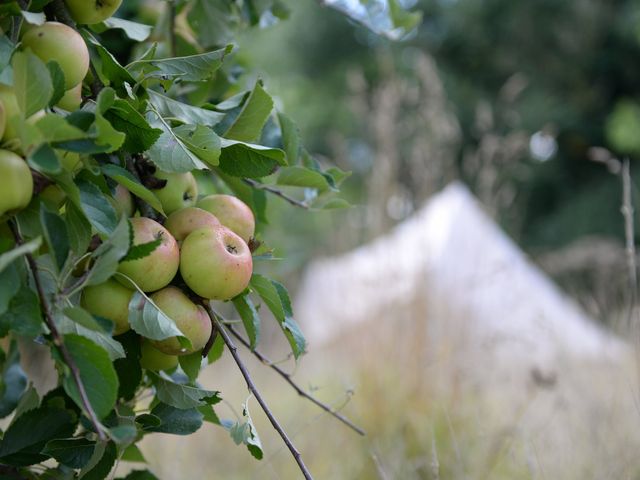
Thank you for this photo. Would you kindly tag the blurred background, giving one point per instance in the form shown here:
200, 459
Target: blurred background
528, 111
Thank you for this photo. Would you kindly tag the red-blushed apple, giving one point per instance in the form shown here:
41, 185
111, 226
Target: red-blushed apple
71, 99
153, 359
215, 263
180, 191
60, 43
88, 12
17, 183
123, 201
182, 222
192, 320
109, 300
232, 212
157, 269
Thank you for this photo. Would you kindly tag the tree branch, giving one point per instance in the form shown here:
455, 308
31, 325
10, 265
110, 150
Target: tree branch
260, 356
252, 388
276, 192
57, 338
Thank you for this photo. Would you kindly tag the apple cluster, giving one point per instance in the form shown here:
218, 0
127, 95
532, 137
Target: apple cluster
205, 240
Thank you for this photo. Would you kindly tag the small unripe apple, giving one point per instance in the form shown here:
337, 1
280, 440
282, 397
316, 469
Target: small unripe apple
53, 196
157, 269
182, 222
16, 181
60, 43
71, 99
215, 263
181, 191
192, 320
153, 359
232, 212
11, 109
88, 12
109, 300
123, 201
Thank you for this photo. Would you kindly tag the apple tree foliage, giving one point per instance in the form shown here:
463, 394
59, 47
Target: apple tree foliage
184, 103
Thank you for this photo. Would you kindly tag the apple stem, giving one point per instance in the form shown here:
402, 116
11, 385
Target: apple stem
57, 338
252, 388
263, 359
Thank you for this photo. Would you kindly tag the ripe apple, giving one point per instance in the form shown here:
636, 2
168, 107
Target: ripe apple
153, 359
182, 222
60, 43
109, 300
88, 12
157, 269
123, 201
215, 263
232, 212
17, 183
71, 99
192, 320
181, 191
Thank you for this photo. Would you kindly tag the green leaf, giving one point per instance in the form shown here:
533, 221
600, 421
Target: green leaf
57, 82
142, 250
9, 257
44, 160
97, 208
72, 452
302, 177
31, 82
277, 300
170, 153
176, 421
131, 183
140, 136
68, 325
14, 382
174, 110
128, 368
111, 72
78, 229
133, 454
96, 372
106, 134
28, 434
135, 31
290, 137
149, 321
101, 462
333, 204
217, 349
80, 316
250, 318
190, 364
34, 18
194, 68
11, 280
108, 255
209, 414
240, 159
23, 315
254, 114
202, 141
55, 234
245, 432
182, 396
55, 128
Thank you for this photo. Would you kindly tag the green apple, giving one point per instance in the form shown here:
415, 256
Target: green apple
192, 320
53, 196
11, 109
88, 12
17, 183
71, 99
181, 191
215, 263
232, 212
123, 201
109, 300
60, 43
153, 359
157, 269
182, 222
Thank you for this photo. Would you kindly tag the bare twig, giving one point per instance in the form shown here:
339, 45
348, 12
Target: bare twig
276, 192
57, 338
252, 388
260, 356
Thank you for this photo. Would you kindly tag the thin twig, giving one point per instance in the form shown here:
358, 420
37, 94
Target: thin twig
57, 338
260, 356
171, 5
276, 192
252, 388
627, 213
